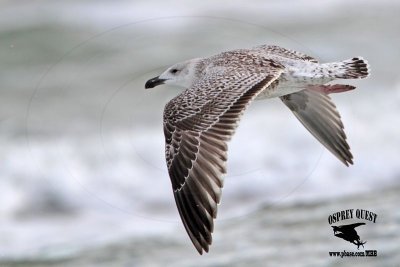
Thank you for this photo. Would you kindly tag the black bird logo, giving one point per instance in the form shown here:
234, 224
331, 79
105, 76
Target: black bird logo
348, 233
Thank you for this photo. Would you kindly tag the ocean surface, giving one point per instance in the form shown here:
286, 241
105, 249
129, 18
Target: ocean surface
83, 180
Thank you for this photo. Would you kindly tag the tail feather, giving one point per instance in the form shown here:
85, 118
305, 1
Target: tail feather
355, 68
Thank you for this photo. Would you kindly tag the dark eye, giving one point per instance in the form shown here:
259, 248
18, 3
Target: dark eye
173, 71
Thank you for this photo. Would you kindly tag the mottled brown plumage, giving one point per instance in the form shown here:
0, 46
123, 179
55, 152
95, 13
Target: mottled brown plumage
200, 121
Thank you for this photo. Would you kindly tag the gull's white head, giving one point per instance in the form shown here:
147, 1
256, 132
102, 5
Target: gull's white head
181, 74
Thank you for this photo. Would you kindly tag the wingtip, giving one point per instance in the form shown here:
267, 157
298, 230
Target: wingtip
348, 162
201, 249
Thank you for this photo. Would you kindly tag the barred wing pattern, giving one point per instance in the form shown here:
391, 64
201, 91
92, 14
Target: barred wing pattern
197, 126
283, 52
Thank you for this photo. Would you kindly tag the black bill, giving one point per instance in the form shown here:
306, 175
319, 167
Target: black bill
154, 82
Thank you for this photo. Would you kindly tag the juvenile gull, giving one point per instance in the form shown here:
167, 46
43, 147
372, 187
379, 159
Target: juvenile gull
200, 121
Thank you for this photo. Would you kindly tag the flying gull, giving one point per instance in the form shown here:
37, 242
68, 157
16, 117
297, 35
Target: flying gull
200, 121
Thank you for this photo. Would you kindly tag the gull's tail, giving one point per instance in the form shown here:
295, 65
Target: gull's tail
355, 68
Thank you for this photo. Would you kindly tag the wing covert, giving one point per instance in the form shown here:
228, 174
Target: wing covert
197, 126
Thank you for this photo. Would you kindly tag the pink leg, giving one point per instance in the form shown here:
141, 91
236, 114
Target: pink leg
332, 88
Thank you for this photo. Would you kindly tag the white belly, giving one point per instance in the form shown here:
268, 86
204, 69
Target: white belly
291, 82
284, 87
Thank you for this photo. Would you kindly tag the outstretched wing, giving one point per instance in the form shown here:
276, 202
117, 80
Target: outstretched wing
354, 225
283, 52
318, 114
197, 125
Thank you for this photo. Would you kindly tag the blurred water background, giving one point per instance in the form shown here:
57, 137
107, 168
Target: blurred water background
83, 180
